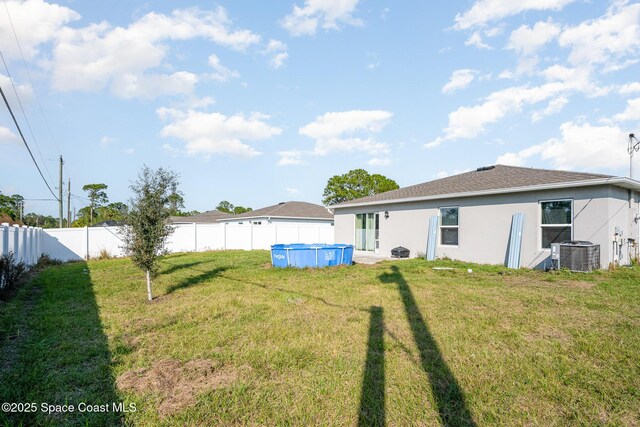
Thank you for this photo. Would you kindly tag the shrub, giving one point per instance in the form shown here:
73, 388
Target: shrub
104, 254
46, 261
10, 272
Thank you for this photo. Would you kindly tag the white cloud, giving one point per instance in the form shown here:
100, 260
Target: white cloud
526, 40
555, 106
377, 161
327, 14
25, 91
444, 174
333, 131
290, 158
484, 11
220, 72
277, 51
152, 85
607, 39
471, 121
215, 133
629, 88
99, 55
632, 112
105, 141
36, 23
476, 40
459, 79
291, 192
581, 146
7, 136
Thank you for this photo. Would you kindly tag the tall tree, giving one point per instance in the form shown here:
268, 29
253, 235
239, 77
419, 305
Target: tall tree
147, 225
97, 197
355, 184
237, 210
225, 206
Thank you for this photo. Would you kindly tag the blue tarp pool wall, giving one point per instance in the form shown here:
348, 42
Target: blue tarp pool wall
314, 255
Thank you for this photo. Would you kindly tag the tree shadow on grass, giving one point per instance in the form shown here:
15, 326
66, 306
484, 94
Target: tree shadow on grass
450, 400
172, 267
56, 351
372, 398
204, 276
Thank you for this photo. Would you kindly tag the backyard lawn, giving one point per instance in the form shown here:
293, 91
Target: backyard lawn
231, 341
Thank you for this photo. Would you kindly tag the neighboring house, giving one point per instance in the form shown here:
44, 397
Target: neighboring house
289, 213
475, 211
208, 217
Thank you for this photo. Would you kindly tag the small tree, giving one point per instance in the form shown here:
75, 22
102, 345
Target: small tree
97, 197
147, 226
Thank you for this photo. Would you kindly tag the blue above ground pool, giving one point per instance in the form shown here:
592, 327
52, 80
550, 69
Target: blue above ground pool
315, 255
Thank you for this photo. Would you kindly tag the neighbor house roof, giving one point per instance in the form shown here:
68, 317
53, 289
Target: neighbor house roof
491, 180
211, 217
298, 210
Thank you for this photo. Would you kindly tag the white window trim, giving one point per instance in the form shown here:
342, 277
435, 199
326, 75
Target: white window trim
440, 226
541, 225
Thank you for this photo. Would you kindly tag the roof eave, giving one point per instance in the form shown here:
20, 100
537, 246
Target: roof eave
623, 182
277, 217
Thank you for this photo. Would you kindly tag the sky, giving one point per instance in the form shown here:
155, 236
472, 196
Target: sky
258, 102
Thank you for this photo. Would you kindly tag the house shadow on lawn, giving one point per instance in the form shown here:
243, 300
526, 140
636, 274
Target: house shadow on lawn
57, 353
372, 398
449, 397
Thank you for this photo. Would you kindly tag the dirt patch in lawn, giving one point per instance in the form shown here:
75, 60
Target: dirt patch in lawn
178, 383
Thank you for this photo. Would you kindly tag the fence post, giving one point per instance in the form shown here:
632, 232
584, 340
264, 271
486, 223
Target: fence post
13, 240
22, 244
27, 246
4, 238
86, 243
195, 237
250, 235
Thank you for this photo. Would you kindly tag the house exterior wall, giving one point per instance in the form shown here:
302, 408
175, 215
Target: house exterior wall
485, 223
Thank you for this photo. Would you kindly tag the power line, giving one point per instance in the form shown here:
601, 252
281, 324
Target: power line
46, 122
24, 114
25, 142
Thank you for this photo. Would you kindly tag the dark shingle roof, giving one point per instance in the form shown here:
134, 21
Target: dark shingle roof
484, 179
289, 210
210, 217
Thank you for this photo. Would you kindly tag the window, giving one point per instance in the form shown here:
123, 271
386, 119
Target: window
557, 221
449, 226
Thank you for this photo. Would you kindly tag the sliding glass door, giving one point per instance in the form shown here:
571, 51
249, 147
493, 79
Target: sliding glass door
367, 231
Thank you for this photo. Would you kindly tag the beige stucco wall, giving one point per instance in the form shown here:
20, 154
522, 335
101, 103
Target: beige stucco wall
485, 223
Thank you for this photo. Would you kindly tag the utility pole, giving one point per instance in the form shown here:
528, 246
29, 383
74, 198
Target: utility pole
69, 204
60, 193
634, 145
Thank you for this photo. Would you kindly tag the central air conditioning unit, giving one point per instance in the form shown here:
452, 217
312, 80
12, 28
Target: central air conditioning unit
576, 255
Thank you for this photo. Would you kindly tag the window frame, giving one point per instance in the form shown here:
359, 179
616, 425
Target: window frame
441, 226
541, 225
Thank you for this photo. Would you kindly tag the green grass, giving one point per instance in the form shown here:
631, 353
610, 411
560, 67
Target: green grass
396, 343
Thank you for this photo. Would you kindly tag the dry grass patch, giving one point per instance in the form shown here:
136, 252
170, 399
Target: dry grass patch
177, 384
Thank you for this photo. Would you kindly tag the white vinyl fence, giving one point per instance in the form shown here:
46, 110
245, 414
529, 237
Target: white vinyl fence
24, 242
82, 243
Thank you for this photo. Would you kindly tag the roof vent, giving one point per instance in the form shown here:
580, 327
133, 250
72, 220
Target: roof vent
282, 203
485, 168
